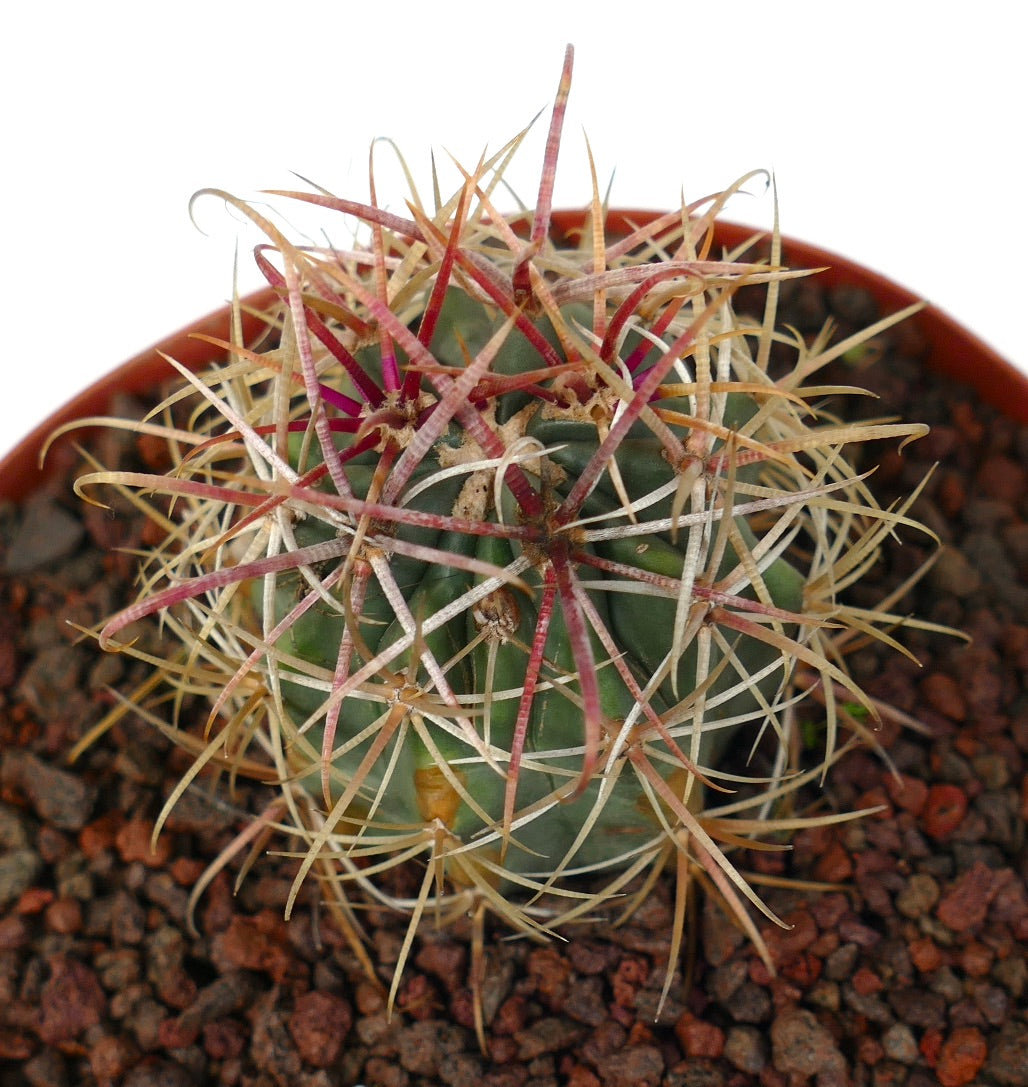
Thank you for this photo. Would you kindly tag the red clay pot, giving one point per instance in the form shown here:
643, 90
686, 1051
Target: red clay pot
953, 350
20, 470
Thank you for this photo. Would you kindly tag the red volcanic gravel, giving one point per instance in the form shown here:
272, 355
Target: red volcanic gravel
913, 971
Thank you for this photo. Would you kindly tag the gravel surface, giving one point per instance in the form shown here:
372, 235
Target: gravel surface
916, 973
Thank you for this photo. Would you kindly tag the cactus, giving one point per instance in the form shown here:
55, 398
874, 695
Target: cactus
500, 543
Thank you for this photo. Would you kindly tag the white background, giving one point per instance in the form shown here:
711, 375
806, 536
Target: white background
895, 132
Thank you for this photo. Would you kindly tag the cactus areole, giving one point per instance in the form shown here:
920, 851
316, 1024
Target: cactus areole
499, 542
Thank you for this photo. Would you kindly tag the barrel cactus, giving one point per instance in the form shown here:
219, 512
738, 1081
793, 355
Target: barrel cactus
501, 543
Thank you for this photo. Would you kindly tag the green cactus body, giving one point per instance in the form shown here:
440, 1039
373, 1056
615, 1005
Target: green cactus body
487, 681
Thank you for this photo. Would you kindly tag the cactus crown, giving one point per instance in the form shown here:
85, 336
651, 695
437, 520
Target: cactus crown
499, 541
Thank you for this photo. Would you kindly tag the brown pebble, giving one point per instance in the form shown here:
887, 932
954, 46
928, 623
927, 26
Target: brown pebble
550, 971
1003, 479
256, 943
385, 1073
133, 841
57, 796
1008, 1055
186, 871
963, 907
580, 1076
371, 998
224, 1038
968, 421
46, 534
154, 1072
16, 1045
176, 1034
586, 1003
698, 1038
633, 1066
954, 573
630, 976
918, 1007
721, 937
802, 1046
786, 944
8, 652
835, 865
423, 1048
417, 997
869, 1050
319, 1024
961, 1057
100, 834
926, 955
64, 916
444, 959
899, 1044
502, 1049
1010, 907
550, 1034
951, 494
976, 959
14, 933
34, 901
53, 845
71, 1001
590, 958
111, 1056
511, 1016
746, 1049
944, 810
943, 693
853, 930
907, 793
919, 894
866, 982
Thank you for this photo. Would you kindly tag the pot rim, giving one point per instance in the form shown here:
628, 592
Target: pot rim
953, 350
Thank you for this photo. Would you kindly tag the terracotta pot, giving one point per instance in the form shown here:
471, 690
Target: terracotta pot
20, 470
954, 351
